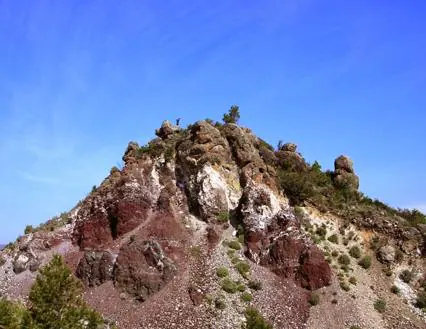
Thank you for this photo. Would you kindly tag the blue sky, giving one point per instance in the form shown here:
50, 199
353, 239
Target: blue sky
79, 79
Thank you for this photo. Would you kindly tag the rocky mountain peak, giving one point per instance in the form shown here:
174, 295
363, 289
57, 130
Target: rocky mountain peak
193, 203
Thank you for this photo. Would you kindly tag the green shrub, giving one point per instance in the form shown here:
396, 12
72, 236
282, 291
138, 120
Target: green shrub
421, 300
243, 268
219, 303
233, 115
321, 231
241, 287
355, 252
406, 276
223, 217
12, 315
231, 253
353, 280
344, 259
380, 305
234, 244
254, 320
195, 251
399, 256
56, 299
365, 262
222, 271
255, 285
335, 253
355, 327
2, 260
246, 297
395, 290
314, 299
28, 229
345, 286
229, 286
333, 238
297, 186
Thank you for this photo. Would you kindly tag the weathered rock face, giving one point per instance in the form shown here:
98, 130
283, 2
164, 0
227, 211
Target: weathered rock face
166, 130
95, 268
119, 205
386, 254
142, 269
344, 175
289, 159
287, 252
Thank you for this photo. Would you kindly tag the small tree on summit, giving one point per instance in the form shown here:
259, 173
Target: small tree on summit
233, 115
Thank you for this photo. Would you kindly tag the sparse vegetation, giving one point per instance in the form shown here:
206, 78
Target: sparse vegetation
223, 217
395, 290
195, 251
333, 238
380, 305
355, 252
220, 303
365, 262
344, 259
314, 299
254, 320
233, 115
234, 244
246, 297
335, 253
255, 285
406, 276
229, 286
28, 229
353, 280
243, 268
222, 272
345, 286
421, 300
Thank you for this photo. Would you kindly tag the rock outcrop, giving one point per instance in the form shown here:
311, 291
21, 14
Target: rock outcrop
142, 269
344, 175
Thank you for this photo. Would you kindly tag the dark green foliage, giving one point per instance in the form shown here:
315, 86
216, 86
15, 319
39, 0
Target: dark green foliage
233, 115
333, 238
380, 305
355, 252
11, 315
395, 290
406, 276
223, 216
365, 262
353, 280
254, 320
2, 260
246, 297
234, 244
314, 299
28, 229
296, 186
56, 299
222, 271
345, 286
219, 303
243, 268
344, 259
335, 253
255, 285
229, 286
421, 300
321, 231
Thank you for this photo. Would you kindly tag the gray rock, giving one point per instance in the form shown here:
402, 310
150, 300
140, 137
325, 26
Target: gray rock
386, 254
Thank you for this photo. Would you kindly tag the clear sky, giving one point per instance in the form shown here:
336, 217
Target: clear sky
79, 79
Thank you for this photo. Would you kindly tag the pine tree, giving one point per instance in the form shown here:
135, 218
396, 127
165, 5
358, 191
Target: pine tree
233, 115
56, 300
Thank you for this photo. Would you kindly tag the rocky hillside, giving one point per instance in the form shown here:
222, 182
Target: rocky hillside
204, 222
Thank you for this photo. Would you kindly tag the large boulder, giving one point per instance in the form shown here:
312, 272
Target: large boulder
344, 175
95, 268
166, 130
142, 269
289, 159
344, 163
386, 254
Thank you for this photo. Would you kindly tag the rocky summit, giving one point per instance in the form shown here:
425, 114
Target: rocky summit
205, 222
